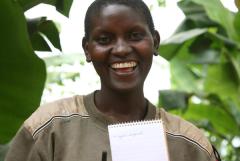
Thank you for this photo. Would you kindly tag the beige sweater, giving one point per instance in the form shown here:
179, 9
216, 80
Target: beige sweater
73, 129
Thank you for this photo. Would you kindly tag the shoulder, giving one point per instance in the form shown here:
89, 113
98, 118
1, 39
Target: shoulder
63, 108
177, 127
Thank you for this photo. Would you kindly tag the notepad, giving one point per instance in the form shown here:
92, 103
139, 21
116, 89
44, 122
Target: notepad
138, 141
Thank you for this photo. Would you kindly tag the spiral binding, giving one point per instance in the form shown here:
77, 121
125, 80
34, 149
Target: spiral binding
133, 123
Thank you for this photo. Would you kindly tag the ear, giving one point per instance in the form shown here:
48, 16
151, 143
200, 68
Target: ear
156, 39
85, 48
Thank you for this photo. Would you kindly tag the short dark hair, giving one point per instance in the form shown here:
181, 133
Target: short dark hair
138, 5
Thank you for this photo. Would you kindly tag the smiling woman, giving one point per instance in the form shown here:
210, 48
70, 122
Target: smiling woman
116, 42
120, 40
71, 33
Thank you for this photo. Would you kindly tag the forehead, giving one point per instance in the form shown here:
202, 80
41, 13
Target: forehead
118, 9
117, 14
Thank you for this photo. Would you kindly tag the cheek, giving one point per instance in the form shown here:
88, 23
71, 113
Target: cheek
98, 53
146, 49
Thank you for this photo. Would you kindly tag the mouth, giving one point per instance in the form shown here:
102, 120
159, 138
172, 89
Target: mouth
124, 67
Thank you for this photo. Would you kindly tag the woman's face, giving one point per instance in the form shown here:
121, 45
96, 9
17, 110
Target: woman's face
120, 47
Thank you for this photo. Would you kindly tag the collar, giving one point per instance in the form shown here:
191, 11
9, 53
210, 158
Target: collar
100, 118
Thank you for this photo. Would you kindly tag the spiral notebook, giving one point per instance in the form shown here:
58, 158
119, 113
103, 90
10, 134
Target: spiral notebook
138, 141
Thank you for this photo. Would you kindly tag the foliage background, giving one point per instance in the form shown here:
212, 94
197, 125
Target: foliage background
204, 57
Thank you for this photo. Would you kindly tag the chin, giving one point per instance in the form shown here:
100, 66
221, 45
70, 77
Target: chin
127, 87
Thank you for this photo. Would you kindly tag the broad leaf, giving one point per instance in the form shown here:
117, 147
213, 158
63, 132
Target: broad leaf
184, 36
178, 70
49, 29
234, 110
196, 14
234, 57
221, 121
63, 6
202, 52
38, 42
218, 13
222, 79
208, 64
169, 48
237, 23
201, 46
22, 72
172, 99
40, 29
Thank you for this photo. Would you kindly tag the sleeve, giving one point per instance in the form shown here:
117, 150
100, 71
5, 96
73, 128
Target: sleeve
24, 148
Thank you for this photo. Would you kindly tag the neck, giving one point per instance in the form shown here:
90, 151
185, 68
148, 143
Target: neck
121, 107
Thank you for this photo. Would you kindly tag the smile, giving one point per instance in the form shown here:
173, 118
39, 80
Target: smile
124, 67
130, 64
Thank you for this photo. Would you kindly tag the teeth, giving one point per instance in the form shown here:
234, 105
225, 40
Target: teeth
124, 65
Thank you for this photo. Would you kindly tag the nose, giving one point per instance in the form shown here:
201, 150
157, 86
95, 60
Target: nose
121, 48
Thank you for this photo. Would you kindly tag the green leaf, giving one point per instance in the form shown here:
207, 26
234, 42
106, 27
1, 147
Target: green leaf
234, 57
38, 42
237, 23
196, 14
40, 29
218, 13
184, 36
178, 70
168, 49
222, 122
222, 79
234, 110
172, 99
201, 51
49, 29
224, 41
161, 3
208, 64
198, 45
22, 73
63, 6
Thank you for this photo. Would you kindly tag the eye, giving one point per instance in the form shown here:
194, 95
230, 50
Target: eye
136, 36
103, 39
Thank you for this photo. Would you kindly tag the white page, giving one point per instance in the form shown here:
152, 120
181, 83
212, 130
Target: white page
138, 141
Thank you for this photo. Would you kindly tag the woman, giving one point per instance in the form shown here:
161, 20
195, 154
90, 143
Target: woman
120, 41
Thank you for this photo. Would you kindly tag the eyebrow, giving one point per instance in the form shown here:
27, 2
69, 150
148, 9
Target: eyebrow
133, 27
